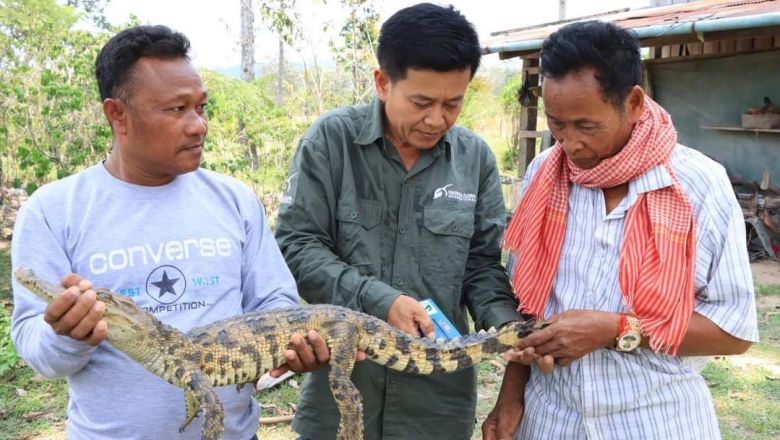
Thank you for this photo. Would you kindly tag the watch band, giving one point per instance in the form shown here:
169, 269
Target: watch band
622, 326
629, 334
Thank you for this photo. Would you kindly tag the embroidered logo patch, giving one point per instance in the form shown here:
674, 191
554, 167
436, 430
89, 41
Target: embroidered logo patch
452, 194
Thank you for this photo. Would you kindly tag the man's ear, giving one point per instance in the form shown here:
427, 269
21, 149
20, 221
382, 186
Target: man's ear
635, 104
382, 83
116, 113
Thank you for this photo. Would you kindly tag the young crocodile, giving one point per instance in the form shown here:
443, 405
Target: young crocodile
239, 350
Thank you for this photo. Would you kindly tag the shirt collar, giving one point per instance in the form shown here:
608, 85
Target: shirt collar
655, 178
373, 126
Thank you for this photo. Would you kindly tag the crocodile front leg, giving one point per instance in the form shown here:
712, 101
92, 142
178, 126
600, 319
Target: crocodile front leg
200, 395
343, 340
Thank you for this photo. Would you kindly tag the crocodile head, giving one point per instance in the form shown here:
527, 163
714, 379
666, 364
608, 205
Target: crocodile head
127, 323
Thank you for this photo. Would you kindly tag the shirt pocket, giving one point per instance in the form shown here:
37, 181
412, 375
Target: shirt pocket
357, 230
446, 238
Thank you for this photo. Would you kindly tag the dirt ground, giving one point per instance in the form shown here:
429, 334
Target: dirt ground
766, 272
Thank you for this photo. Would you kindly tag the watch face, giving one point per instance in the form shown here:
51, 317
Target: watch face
628, 342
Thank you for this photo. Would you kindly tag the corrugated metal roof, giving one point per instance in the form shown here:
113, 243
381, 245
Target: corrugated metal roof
642, 18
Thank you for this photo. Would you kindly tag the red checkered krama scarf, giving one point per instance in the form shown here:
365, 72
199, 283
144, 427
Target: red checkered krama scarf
659, 244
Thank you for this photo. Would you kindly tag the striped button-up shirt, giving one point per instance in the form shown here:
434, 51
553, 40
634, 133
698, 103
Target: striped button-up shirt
644, 395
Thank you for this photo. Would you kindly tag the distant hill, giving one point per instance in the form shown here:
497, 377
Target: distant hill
261, 69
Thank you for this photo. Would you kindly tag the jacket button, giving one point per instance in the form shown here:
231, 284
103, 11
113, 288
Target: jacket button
353, 214
454, 227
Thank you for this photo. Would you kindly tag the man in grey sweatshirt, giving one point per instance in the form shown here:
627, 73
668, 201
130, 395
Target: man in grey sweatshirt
188, 245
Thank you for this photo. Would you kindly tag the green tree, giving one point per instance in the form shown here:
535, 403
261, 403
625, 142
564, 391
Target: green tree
355, 49
511, 107
49, 106
479, 105
266, 126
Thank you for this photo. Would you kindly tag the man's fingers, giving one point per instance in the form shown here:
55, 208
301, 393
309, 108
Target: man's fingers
505, 429
564, 362
77, 312
506, 426
360, 356
99, 333
551, 348
321, 352
85, 285
293, 360
425, 324
411, 331
61, 305
87, 324
525, 357
70, 280
279, 371
489, 428
302, 356
537, 338
410, 328
546, 364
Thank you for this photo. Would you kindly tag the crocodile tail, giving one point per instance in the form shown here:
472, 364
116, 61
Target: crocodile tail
400, 352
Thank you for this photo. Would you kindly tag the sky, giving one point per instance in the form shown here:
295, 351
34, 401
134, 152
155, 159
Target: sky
214, 27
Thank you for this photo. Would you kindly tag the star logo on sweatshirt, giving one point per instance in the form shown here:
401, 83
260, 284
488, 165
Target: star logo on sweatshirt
166, 284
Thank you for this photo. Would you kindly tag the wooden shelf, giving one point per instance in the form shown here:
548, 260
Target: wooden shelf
738, 128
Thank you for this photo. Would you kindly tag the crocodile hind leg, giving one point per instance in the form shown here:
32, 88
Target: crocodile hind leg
343, 347
200, 395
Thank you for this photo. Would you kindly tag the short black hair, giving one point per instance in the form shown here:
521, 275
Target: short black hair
613, 52
427, 36
116, 59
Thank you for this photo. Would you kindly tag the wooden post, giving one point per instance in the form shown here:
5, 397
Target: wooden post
647, 80
528, 114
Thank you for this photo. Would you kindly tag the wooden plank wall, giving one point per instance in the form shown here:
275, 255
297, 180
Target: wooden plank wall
707, 49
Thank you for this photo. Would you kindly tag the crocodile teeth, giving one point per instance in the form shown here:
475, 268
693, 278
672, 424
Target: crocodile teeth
482, 332
492, 330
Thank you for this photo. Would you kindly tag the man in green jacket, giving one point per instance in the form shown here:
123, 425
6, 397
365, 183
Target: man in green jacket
390, 203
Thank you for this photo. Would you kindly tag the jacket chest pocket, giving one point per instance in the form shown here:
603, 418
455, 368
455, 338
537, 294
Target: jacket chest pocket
446, 238
357, 241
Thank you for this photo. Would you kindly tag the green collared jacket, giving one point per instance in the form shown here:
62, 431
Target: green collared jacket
357, 230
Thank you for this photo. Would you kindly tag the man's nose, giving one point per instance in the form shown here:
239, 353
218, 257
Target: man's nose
569, 144
435, 117
197, 124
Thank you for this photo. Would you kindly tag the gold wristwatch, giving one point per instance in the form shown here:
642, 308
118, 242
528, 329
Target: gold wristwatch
629, 335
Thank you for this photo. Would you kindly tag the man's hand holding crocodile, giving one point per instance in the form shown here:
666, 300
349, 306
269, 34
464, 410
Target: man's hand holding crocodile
77, 313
